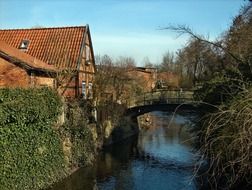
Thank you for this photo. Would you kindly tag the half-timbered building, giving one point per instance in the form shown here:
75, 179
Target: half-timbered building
66, 54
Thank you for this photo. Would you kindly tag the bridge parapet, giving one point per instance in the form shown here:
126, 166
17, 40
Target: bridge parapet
161, 97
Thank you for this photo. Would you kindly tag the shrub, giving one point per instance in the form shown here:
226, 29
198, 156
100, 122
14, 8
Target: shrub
222, 88
31, 151
227, 142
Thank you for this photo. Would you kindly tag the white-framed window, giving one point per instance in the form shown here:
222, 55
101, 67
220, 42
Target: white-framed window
83, 90
90, 90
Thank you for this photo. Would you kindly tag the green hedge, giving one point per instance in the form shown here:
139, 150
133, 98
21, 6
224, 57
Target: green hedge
31, 152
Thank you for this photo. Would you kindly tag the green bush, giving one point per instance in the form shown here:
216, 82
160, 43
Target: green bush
31, 151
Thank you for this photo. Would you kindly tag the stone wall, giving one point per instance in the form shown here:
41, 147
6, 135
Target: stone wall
116, 132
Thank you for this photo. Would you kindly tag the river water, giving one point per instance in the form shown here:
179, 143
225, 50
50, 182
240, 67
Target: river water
161, 157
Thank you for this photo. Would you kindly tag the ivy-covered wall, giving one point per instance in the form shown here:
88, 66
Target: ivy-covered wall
31, 151
79, 145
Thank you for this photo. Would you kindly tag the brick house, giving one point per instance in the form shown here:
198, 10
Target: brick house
167, 80
146, 77
60, 57
18, 69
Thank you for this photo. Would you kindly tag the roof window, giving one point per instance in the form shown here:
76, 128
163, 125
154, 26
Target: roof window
24, 44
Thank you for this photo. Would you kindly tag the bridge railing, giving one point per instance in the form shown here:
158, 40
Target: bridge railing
161, 97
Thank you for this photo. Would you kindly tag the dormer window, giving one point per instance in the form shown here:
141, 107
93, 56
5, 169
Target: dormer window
24, 44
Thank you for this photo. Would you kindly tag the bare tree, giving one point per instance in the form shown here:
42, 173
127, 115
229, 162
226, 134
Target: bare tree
112, 79
168, 62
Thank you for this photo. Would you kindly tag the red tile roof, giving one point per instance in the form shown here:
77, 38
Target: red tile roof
57, 46
20, 57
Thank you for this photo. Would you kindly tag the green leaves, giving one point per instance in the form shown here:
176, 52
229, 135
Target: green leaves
31, 152
29, 106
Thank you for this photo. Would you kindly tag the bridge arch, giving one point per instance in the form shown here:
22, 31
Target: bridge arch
140, 110
161, 100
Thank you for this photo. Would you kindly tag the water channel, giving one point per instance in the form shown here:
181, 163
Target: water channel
161, 157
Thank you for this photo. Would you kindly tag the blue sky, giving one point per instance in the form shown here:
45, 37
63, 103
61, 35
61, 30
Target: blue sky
125, 27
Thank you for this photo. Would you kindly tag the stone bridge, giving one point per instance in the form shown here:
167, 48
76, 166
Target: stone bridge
162, 100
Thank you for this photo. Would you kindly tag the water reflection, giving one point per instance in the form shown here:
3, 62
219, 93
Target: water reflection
161, 157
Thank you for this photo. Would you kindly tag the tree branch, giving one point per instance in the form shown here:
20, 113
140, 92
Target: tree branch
183, 29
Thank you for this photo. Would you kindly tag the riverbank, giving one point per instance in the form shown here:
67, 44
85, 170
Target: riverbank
83, 138
114, 133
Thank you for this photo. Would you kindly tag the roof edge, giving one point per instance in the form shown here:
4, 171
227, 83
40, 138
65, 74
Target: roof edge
45, 28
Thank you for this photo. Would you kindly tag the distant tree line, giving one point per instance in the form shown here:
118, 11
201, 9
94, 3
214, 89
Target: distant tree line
201, 59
